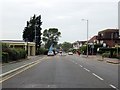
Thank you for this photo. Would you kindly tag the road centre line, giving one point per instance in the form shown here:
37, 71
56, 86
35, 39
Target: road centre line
48, 86
87, 69
113, 86
75, 63
98, 76
80, 65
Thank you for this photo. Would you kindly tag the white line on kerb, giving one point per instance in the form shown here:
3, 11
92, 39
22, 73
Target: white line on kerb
113, 86
87, 69
97, 76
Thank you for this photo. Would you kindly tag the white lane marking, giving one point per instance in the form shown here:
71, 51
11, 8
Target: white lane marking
87, 69
97, 76
80, 65
113, 86
48, 86
75, 63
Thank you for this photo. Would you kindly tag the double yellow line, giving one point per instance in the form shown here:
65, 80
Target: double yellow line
6, 77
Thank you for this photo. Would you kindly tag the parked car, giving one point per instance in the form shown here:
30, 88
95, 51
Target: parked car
70, 53
50, 53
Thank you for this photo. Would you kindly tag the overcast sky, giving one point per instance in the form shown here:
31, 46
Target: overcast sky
65, 15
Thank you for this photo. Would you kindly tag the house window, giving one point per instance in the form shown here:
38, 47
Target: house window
102, 34
116, 35
101, 42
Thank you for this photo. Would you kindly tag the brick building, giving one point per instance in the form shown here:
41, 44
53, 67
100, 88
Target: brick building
109, 36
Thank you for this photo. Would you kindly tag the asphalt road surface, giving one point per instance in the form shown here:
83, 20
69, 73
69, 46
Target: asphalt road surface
69, 71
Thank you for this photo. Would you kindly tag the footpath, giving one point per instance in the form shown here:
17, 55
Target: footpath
99, 58
6, 67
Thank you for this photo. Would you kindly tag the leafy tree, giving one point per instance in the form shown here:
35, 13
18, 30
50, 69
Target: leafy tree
66, 46
32, 32
51, 36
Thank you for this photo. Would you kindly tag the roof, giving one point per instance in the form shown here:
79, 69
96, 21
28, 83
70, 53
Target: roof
79, 42
15, 41
109, 30
12, 40
93, 38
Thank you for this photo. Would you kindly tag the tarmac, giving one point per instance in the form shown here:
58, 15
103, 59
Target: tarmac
10, 67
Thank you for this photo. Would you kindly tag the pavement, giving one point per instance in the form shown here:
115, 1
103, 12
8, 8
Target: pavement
99, 58
16, 64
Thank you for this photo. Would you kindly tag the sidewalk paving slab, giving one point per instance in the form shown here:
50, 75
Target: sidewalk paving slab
99, 58
13, 65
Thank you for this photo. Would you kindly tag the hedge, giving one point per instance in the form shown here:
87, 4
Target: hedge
13, 54
106, 54
5, 57
42, 51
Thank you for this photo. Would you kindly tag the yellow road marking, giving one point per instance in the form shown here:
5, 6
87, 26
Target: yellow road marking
19, 72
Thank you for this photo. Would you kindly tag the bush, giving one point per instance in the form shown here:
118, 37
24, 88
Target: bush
16, 54
5, 57
118, 57
12, 53
106, 54
22, 53
42, 51
83, 49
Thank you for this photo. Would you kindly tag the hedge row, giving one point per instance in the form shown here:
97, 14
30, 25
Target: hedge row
13, 54
42, 51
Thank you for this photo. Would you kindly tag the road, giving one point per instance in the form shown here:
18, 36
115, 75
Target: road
69, 71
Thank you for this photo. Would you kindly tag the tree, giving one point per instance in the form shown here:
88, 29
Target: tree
66, 46
32, 32
51, 36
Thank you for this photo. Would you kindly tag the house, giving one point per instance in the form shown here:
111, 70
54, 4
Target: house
110, 37
94, 39
78, 44
28, 46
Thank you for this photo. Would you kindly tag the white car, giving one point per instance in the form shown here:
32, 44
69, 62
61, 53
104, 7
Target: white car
50, 53
70, 53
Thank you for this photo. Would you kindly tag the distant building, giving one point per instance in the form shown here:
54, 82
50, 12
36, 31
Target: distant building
28, 46
110, 37
78, 44
94, 39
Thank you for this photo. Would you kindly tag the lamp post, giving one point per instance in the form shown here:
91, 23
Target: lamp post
87, 34
35, 36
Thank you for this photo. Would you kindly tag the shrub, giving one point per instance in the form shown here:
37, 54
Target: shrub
22, 53
5, 57
106, 54
118, 57
42, 51
14, 54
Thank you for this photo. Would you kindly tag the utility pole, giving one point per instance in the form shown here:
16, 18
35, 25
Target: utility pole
87, 33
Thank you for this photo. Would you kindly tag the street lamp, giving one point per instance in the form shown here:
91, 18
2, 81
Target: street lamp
87, 33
